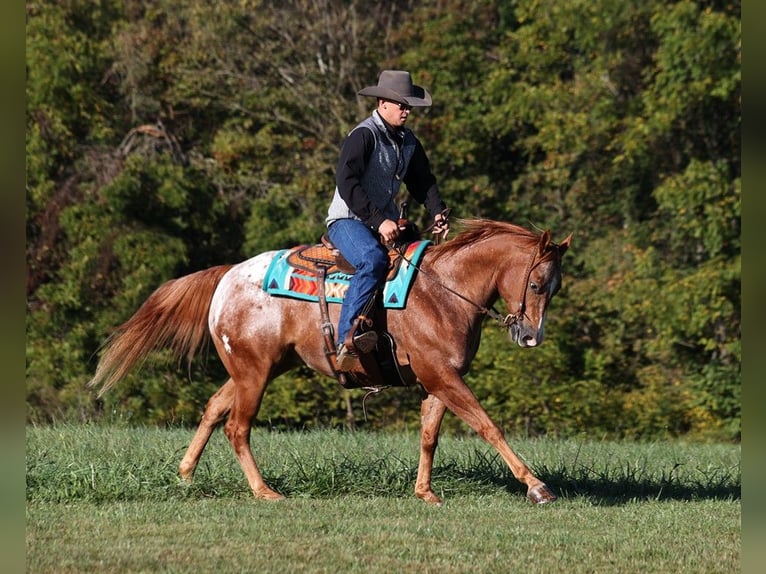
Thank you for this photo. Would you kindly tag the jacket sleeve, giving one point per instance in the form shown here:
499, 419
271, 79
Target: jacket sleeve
354, 155
421, 183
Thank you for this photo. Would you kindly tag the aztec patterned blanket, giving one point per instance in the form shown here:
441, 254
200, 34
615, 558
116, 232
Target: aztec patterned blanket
287, 281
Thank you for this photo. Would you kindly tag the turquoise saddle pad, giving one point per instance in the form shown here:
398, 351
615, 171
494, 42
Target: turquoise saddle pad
284, 280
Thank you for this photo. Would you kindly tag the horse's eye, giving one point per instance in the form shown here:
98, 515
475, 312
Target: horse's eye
533, 286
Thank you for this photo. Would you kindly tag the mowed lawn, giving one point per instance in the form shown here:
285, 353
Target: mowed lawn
108, 499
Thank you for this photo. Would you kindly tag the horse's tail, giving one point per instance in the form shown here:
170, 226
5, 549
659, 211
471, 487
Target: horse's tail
174, 316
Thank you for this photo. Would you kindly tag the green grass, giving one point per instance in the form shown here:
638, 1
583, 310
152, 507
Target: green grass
108, 499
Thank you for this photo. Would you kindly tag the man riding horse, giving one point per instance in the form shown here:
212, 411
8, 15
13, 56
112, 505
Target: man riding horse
375, 158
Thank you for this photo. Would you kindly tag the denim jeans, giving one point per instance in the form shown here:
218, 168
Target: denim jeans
360, 246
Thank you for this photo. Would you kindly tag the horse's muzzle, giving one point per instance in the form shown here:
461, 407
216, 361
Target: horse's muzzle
524, 336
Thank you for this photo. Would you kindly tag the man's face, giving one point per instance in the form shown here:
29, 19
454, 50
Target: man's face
394, 113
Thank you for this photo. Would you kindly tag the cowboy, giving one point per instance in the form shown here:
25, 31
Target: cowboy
375, 158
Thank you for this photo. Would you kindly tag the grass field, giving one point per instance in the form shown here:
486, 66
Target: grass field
108, 499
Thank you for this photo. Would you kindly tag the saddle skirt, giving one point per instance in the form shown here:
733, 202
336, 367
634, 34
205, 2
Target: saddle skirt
293, 273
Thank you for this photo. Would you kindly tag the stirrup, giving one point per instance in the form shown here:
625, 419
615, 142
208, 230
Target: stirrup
346, 358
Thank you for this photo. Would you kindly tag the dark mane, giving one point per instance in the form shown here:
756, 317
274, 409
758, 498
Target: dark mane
474, 230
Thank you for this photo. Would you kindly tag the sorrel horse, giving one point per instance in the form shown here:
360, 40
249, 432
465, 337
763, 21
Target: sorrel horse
259, 336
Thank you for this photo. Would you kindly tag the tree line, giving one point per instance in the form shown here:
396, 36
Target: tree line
164, 137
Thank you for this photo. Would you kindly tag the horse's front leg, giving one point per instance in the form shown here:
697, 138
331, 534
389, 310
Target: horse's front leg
458, 398
218, 406
431, 415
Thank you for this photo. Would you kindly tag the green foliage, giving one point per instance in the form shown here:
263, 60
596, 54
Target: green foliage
534, 391
450, 50
166, 137
703, 204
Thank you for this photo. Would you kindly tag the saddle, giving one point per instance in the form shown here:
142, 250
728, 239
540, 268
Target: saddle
379, 368
325, 257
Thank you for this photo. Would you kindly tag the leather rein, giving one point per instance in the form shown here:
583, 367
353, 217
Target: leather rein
505, 321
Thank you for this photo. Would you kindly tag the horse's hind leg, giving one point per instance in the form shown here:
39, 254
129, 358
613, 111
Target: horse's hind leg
247, 400
431, 415
218, 406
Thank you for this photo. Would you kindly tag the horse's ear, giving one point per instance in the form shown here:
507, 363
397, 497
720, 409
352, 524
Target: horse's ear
545, 241
564, 245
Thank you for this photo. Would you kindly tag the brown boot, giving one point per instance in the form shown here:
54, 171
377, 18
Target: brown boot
348, 357
366, 342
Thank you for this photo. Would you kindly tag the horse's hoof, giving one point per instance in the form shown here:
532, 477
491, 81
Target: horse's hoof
541, 495
430, 498
186, 474
268, 494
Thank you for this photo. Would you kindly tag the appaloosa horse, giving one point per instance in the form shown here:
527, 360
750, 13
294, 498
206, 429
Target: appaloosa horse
259, 336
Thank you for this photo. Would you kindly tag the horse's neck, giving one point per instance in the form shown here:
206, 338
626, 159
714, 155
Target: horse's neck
470, 273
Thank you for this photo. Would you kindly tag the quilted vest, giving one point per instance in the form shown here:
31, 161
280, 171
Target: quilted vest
385, 170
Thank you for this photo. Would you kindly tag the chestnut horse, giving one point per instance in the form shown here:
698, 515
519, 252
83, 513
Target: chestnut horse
259, 336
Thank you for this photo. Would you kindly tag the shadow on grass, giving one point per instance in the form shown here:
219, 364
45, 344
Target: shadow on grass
622, 490
605, 487
484, 473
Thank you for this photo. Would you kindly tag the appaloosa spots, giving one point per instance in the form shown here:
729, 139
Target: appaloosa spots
226, 344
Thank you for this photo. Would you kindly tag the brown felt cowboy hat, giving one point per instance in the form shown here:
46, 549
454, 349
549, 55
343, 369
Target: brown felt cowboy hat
397, 86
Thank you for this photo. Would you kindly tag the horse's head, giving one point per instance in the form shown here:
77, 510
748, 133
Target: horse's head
528, 293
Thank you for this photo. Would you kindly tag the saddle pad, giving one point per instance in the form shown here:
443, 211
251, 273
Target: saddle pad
284, 280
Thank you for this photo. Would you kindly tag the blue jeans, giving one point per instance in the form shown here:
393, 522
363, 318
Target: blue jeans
360, 246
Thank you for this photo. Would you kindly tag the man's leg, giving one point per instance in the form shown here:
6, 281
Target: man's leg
360, 246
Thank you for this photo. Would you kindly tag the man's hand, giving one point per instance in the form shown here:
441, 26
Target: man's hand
389, 231
441, 225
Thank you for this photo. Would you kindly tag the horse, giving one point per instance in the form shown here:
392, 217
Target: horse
259, 336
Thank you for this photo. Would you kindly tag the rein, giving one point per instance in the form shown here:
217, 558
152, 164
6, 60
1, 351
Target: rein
505, 322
